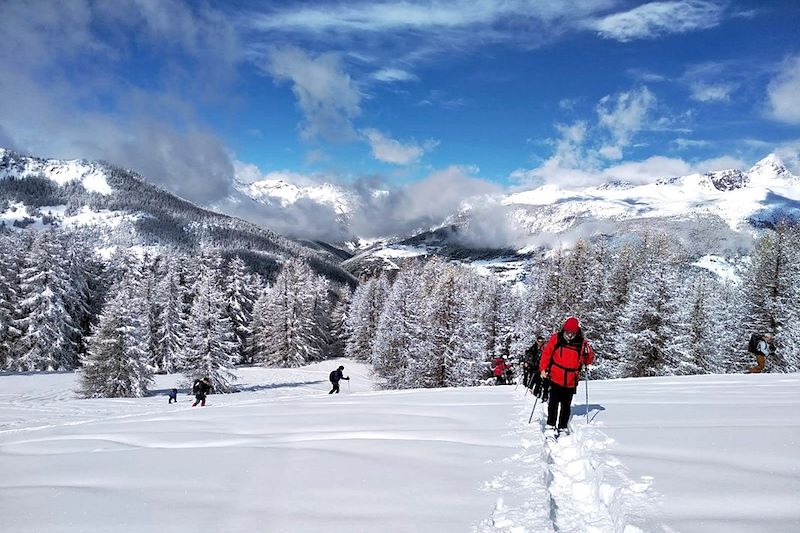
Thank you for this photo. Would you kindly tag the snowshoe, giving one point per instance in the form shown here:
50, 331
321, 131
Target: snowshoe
550, 433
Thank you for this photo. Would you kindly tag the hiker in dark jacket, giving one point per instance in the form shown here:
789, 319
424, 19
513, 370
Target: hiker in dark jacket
200, 388
562, 358
173, 395
335, 377
530, 367
761, 351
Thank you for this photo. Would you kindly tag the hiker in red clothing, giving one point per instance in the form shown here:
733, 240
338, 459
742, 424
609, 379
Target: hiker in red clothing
501, 369
562, 358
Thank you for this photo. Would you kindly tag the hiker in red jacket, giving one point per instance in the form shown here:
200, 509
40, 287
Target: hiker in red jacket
500, 370
562, 358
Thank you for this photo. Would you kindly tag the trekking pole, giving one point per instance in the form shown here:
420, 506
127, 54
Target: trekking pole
517, 385
586, 383
348, 386
534, 409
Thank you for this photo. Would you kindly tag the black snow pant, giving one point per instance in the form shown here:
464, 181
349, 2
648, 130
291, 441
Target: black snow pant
560, 397
335, 387
201, 399
173, 399
527, 376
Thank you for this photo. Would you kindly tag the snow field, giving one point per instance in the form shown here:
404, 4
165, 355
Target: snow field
692, 453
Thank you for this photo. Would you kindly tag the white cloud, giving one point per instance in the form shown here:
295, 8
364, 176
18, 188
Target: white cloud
706, 92
684, 144
393, 151
379, 17
783, 93
390, 75
623, 115
643, 171
326, 94
655, 19
63, 102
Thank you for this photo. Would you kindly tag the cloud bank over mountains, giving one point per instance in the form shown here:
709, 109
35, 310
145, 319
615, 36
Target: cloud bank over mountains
398, 97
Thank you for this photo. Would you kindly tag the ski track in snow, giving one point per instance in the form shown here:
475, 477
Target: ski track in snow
568, 485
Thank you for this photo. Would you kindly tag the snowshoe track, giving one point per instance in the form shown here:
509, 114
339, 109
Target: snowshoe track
590, 490
569, 485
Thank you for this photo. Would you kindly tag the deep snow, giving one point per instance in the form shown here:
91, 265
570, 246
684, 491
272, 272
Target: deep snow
698, 453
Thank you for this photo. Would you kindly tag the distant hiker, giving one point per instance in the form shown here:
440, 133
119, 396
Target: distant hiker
200, 389
759, 346
173, 395
562, 358
500, 370
335, 377
530, 368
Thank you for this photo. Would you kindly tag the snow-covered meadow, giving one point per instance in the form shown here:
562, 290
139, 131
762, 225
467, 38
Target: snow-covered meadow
698, 453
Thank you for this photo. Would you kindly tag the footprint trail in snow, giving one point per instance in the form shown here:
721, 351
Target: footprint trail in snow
568, 485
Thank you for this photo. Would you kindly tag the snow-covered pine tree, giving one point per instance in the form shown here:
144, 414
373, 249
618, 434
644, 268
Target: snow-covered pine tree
285, 332
363, 317
788, 330
465, 355
697, 294
398, 337
116, 364
210, 347
146, 284
46, 327
339, 315
652, 339
9, 293
241, 290
768, 289
171, 321
440, 325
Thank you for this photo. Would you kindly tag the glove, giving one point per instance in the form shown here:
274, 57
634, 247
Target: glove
544, 374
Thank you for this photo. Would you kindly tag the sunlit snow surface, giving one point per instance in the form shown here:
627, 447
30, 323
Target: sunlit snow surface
702, 453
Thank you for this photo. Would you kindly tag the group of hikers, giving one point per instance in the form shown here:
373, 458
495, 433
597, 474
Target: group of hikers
202, 387
551, 370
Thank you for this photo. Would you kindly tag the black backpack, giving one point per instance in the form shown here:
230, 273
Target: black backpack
752, 346
333, 377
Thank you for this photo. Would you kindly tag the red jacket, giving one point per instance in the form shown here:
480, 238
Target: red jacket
566, 360
500, 366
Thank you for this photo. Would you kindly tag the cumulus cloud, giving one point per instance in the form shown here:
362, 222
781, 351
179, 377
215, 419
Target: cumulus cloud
326, 94
491, 224
59, 103
783, 93
390, 150
623, 115
379, 209
656, 19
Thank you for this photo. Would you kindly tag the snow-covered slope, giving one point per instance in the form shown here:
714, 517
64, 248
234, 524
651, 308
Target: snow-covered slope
91, 175
692, 454
709, 213
118, 207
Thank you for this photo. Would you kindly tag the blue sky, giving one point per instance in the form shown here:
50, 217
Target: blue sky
500, 93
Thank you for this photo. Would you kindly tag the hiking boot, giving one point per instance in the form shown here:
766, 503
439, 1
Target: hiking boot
563, 431
550, 432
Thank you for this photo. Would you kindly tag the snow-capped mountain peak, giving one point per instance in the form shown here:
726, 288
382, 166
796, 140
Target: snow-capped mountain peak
769, 169
91, 175
278, 190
